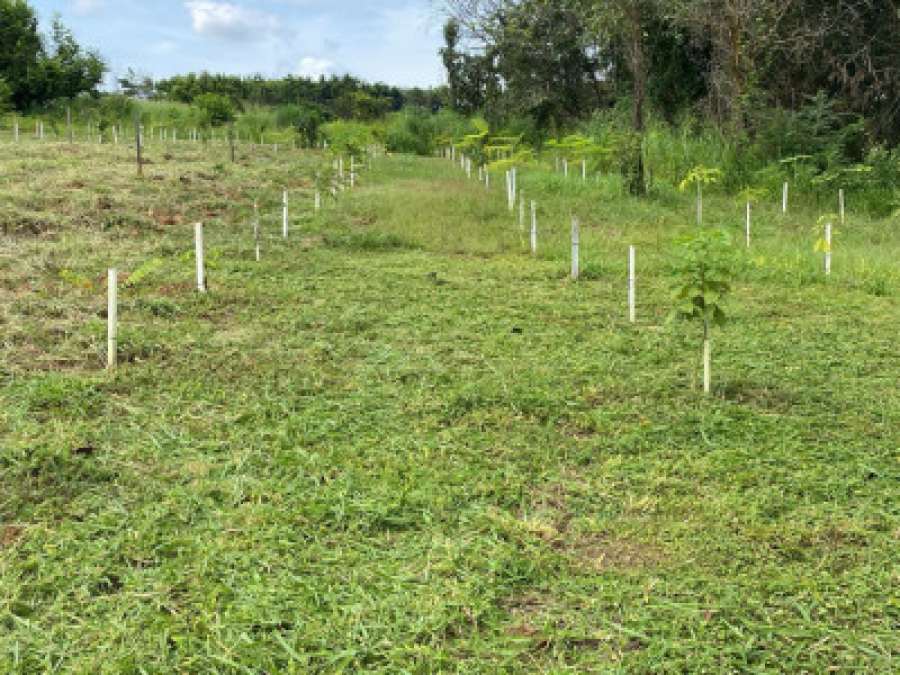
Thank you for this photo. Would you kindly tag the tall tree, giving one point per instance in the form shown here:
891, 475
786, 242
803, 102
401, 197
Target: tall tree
466, 73
21, 51
69, 69
741, 34
847, 48
536, 58
622, 23
38, 71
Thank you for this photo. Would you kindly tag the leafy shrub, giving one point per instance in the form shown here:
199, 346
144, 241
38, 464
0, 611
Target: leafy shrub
410, 131
5, 95
216, 108
353, 137
115, 109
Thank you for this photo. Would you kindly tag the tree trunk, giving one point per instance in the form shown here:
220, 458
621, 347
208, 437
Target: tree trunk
635, 162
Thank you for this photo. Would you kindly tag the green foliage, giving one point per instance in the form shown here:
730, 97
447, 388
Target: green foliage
410, 131
336, 96
352, 137
306, 120
69, 70
38, 71
705, 268
76, 280
21, 53
411, 478
142, 273
5, 95
700, 175
115, 109
449, 126
216, 108
580, 147
752, 194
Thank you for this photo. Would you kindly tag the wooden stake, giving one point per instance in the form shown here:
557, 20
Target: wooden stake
198, 246
784, 198
16, 129
112, 320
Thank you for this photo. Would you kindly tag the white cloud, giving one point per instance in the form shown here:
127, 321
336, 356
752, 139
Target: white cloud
227, 21
87, 6
314, 68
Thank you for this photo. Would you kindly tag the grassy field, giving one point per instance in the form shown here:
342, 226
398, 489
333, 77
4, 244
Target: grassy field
401, 443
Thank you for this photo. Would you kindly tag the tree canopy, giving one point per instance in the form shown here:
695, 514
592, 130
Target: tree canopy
731, 60
36, 69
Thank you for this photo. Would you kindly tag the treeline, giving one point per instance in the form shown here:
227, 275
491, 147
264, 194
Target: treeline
749, 67
343, 97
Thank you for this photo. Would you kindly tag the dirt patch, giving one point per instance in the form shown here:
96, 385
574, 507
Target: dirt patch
11, 535
180, 288
556, 524
759, 396
578, 431
25, 225
609, 553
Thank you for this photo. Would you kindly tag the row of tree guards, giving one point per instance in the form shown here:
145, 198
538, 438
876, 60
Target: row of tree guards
116, 134
512, 191
343, 178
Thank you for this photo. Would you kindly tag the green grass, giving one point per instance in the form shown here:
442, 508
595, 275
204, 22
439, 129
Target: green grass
400, 443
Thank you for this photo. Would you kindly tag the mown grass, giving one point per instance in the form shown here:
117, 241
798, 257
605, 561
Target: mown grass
400, 443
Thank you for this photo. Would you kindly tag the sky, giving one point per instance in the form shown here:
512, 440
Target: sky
392, 41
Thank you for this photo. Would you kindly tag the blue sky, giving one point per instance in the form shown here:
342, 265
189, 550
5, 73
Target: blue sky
393, 41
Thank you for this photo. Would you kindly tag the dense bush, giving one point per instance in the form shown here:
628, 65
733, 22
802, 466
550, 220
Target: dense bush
352, 137
216, 108
306, 120
114, 110
410, 131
